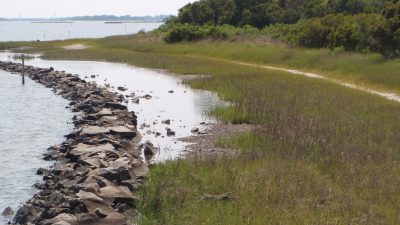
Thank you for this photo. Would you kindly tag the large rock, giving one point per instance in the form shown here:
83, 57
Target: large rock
93, 218
116, 175
27, 214
104, 112
120, 88
149, 149
89, 187
113, 105
95, 162
109, 118
116, 192
89, 196
84, 149
62, 219
8, 212
94, 130
123, 132
122, 162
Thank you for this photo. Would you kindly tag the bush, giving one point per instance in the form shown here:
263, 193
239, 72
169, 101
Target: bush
184, 32
361, 32
187, 32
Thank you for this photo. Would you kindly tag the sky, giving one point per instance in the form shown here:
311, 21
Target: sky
65, 8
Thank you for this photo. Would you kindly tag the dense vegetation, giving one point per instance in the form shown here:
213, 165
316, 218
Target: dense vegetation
259, 13
361, 32
352, 25
187, 32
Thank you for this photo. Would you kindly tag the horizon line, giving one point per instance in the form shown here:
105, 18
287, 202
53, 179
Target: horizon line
63, 17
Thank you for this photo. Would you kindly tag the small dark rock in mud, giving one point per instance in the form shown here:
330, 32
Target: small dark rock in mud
8, 212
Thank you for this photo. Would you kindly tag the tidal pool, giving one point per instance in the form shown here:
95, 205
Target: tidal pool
186, 108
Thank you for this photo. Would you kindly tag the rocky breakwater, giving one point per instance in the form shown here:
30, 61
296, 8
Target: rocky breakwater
98, 166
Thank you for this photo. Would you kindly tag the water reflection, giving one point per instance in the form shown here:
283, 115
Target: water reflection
170, 99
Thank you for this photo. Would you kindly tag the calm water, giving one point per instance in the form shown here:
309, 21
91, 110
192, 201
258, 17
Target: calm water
28, 31
185, 107
32, 119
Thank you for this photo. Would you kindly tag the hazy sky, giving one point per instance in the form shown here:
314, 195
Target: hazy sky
63, 8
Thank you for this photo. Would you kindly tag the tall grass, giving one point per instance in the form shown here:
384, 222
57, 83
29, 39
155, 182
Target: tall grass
321, 154
365, 69
268, 190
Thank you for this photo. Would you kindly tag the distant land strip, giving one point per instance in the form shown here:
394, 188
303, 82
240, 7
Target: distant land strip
108, 18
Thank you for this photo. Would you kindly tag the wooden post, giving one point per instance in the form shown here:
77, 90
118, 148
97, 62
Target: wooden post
23, 69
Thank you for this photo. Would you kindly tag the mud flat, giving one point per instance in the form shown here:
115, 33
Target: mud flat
98, 166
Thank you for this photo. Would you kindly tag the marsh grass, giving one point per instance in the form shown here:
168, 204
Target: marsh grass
321, 153
370, 70
365, 69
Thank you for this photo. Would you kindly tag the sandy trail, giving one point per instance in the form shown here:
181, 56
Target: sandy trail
206, 145
75, 47
387, 95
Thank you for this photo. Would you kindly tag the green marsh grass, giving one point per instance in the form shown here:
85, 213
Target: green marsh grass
321, 153
370, 70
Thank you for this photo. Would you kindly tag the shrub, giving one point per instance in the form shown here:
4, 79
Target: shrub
187, 32
361, 32
184, 32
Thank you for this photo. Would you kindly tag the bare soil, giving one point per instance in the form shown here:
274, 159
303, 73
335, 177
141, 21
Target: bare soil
75, 47
205, 144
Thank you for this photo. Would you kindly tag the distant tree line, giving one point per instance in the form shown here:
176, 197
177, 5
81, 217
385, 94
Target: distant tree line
361, 32
260, 13
352, 25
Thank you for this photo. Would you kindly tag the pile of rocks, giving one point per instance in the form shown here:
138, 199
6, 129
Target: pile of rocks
98, 166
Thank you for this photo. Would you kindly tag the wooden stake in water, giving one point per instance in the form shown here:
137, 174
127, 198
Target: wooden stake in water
23, 69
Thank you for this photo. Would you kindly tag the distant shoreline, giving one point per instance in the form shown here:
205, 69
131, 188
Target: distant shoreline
111, 18
70, 22
52, 21
111, 22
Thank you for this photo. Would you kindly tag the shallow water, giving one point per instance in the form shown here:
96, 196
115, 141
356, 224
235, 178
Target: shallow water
28, 31
185, 107
32, 119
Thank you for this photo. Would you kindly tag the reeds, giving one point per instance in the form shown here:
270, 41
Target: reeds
322, 153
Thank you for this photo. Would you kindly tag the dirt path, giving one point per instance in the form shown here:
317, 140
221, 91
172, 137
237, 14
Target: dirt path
205, 144
387, 95
76, 47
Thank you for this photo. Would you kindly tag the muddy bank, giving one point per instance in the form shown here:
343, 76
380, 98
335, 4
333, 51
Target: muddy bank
98, 165
205, 141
